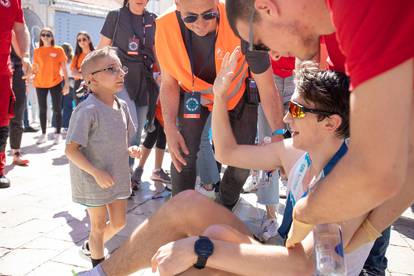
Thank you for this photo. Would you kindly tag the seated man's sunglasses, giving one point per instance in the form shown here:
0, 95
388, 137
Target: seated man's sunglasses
299, 111
209, 15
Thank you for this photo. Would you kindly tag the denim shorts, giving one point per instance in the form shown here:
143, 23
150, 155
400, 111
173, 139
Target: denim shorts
268, 192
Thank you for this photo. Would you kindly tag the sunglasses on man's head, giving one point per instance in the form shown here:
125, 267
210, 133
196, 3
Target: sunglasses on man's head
299, 111
82, 39
46, 35
209, 15
255, 47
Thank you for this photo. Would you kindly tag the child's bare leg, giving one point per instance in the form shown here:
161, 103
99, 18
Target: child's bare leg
117, 218
97, 216
159, 157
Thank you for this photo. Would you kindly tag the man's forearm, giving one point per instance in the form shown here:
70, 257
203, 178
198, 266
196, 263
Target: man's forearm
223, 137
254, 259
270, 99
23, 40
170, 101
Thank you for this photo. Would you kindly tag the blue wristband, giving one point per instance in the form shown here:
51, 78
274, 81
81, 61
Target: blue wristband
279, 131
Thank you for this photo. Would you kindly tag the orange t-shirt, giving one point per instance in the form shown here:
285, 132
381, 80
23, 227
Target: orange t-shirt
48, 61
77, 61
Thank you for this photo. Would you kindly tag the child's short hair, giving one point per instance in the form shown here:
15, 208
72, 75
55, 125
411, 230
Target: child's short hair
327, 90
91, 59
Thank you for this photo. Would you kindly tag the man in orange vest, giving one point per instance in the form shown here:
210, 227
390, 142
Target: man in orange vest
191, 40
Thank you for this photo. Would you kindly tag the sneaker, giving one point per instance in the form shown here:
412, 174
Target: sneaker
168, 186
18, 160
269, 229
283, 190
161, 176
57, 139
85, 249
42, 139
4, 182
251, 184
136, 178
206, 190
30, 129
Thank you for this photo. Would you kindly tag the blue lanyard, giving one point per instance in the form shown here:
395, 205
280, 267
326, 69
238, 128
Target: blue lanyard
290, 202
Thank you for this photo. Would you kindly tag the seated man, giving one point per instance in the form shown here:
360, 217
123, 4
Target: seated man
169, 240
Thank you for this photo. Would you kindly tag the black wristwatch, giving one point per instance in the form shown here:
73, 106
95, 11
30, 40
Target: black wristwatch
204, 248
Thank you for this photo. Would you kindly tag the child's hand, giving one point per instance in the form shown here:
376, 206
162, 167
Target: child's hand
134, 152
103, 179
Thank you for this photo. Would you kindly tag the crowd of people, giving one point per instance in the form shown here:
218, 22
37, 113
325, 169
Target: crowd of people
317, 96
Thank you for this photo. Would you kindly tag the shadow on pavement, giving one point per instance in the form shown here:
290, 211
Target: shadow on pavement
60, 161
79, 227
404, 226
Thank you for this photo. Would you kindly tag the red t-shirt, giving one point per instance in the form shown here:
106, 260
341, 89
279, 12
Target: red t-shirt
374, 36
283, 67
336, 59
10, 12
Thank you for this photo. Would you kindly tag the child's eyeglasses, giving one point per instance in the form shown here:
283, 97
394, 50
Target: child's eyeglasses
113, 70
209, 15
299, 111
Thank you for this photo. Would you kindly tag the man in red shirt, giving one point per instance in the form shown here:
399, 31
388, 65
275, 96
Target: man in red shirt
11, 14
377, 42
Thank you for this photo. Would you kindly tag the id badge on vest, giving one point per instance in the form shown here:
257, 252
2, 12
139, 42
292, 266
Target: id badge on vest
133, 46
192, 106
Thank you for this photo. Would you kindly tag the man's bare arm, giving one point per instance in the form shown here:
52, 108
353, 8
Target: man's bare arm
270, 99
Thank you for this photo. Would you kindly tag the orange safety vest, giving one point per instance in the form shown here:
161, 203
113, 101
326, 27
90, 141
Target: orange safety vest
173, 57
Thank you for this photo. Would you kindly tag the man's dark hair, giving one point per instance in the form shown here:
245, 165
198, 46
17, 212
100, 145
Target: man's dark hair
327, 90
239, 10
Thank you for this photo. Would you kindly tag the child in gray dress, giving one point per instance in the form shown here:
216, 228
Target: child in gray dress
97, 147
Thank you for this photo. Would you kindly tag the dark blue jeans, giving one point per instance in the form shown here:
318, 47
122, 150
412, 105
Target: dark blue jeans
376, 263
67, 107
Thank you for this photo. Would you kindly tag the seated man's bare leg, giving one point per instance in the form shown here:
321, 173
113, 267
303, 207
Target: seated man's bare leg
186, 214
224, 233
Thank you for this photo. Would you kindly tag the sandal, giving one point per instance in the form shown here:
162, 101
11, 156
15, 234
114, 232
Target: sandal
18, 161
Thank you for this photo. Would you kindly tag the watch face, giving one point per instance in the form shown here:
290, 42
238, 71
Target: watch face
204, 247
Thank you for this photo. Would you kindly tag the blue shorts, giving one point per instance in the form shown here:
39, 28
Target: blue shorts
268, 193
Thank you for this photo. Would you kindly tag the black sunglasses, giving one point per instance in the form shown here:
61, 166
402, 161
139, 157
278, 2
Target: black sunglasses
46, 35
255, 47
82, 39
208, 15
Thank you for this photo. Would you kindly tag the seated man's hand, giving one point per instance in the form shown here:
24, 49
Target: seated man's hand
225, 76
175, 257
298, 231
365, 234
134, 152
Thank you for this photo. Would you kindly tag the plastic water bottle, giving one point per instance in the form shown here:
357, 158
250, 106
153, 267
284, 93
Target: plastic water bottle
329, 250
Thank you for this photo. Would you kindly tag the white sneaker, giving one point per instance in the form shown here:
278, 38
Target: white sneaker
208, 193
251, 183
269, 229
57, 139
42, 139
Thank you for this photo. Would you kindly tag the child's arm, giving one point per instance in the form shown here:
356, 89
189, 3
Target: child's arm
103, 179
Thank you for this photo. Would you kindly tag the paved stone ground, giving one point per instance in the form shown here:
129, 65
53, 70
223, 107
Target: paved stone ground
41, 229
